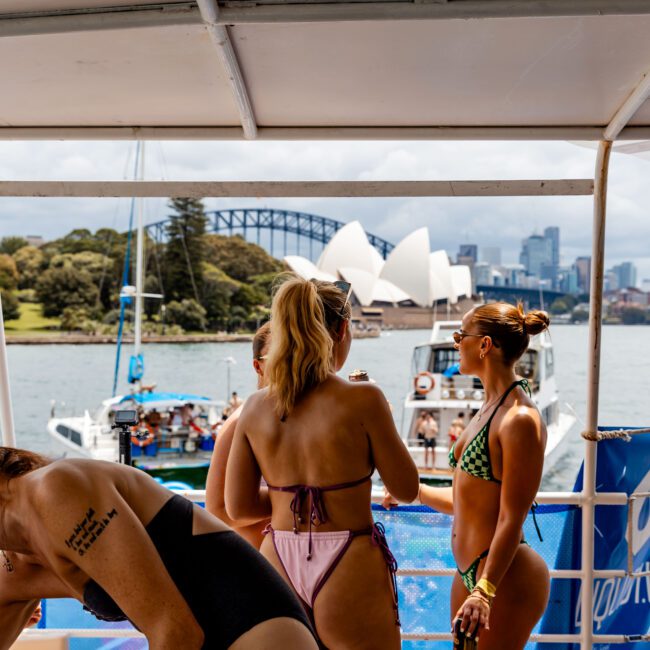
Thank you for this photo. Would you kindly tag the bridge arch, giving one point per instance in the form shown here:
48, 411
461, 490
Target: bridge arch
285, 223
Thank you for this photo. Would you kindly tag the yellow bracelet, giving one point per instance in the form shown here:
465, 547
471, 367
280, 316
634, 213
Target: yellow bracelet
487, 587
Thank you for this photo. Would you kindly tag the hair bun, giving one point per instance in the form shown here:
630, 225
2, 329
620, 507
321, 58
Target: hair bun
536, 321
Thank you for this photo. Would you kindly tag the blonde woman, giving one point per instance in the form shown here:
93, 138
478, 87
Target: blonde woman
317, 439
501, 587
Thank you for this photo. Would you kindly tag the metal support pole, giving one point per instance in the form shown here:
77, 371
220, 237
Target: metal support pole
595, 333
6, 411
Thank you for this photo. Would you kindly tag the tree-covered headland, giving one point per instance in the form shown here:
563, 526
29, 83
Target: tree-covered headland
208, 282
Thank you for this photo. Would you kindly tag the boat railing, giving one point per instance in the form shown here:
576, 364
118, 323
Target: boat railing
576, 499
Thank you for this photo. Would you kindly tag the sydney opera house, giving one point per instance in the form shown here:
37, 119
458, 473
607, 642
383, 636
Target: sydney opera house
405, 288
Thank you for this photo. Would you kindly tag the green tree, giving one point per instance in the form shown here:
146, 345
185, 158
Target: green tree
99, 267
185, 250
238, 258
559, 306
187, 313
9, 245
30, 262
579, 315
8, 273
10, 305
633, 315
65, 286
218, 289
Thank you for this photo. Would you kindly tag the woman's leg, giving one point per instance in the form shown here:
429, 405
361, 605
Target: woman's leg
276, 634
520, 602
354, 610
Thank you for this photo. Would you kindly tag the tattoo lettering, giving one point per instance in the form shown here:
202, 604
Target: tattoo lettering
88, 530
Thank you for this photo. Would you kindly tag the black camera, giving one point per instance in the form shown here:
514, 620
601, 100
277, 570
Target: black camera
462, 642
126, 418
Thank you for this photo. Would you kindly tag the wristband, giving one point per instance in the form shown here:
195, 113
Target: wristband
486, 587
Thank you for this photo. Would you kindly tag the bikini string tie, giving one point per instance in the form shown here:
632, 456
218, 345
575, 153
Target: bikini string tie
378, 538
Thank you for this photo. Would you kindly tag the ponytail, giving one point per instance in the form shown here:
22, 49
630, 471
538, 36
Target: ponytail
305, 316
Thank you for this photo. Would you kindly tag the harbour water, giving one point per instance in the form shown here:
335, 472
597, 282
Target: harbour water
80, 377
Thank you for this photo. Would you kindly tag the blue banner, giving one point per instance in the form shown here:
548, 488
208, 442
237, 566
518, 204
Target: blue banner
621, 605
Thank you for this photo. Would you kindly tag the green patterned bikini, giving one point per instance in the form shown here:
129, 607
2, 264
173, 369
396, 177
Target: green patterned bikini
475, 461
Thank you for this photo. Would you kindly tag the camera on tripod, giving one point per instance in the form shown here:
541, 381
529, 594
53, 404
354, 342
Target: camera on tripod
123, 421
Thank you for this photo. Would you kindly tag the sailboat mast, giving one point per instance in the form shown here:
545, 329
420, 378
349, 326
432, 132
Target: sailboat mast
139, 279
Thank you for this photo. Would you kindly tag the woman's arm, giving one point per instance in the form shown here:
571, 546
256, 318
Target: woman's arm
392, 459
246, 501
215, 485
21, 591
90, 524
14, 617
438, 498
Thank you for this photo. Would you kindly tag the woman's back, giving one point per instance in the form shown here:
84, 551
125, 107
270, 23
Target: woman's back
323, 443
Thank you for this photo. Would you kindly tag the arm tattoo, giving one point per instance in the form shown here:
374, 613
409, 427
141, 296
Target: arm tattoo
88, 530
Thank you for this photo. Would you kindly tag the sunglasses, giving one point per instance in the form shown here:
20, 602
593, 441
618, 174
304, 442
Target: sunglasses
459, 335
346, 288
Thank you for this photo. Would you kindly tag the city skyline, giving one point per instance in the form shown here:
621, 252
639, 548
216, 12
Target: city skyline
488, 222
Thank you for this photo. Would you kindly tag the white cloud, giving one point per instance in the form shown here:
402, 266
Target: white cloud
484, 221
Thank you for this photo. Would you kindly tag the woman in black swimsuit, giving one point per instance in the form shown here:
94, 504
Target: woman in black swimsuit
128, 549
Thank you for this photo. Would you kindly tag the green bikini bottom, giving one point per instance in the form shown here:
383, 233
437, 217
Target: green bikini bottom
469, 576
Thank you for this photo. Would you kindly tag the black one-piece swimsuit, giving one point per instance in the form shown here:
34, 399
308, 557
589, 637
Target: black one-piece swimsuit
227, 584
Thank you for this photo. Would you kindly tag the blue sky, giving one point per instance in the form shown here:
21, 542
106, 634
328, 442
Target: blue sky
500, 222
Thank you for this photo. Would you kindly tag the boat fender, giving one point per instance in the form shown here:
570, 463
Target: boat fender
424, 383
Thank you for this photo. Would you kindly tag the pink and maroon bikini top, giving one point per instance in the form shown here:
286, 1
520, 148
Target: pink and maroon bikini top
317, 511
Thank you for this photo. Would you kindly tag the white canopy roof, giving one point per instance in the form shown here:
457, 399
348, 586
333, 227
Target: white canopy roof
560, 69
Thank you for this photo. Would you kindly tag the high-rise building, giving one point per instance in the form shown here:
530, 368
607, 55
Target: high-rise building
536, 251
625, 274
467, 253
483, 273
568, 279
583, 268
491, 255
552, 233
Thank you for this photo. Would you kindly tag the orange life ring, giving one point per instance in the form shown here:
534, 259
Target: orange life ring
145, 440
422, 389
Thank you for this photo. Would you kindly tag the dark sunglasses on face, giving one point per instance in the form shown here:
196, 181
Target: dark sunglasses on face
459, 335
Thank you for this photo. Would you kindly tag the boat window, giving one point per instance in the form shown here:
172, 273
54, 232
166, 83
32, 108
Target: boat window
421, 356
527, 365
443, 359
69, 433
549, 362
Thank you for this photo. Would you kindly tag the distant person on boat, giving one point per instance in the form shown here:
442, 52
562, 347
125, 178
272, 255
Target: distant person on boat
456, 427
317, 439
216, 480
430, 427
234, 402
129, 549
419, 427
501, 587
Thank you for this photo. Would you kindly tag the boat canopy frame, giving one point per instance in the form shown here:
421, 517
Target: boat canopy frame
219, 21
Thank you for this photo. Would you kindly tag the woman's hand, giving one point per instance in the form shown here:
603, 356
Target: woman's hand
36, 616
474, 614
389, 501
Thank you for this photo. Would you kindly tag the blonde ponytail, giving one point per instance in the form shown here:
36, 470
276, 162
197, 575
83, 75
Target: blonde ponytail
305, 316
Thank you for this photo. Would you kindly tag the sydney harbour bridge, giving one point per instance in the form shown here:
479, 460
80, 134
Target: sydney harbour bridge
280, 232
285, 232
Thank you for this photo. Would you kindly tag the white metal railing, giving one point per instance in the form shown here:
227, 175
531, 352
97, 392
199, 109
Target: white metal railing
555, 498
